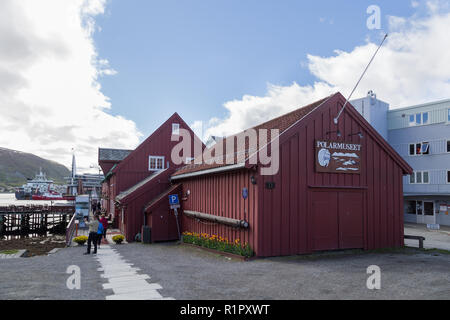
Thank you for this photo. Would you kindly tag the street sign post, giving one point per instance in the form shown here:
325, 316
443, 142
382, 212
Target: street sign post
174, 203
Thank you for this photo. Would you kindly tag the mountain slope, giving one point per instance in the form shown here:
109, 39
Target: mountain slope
16, 167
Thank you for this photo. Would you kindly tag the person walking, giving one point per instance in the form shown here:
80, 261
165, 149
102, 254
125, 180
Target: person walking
99, 234
93, 229
104, 222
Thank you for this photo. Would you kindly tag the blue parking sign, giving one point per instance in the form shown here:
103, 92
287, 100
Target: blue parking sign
173, 200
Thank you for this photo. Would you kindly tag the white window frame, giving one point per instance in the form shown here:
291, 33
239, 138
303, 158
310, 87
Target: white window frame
421, 172
415, 115
150, 158
415, 149
176, 129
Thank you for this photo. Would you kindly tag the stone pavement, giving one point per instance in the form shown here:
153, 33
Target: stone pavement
123, 278
434, 239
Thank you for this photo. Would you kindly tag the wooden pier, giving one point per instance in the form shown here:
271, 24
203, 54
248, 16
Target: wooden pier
26, 221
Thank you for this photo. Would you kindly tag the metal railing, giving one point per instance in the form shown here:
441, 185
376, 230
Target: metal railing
70, 230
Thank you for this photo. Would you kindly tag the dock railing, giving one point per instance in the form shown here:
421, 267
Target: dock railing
70, 230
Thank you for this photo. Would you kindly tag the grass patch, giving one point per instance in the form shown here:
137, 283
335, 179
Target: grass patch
9, 252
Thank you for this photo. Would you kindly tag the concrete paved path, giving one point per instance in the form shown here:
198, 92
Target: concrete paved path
123, 278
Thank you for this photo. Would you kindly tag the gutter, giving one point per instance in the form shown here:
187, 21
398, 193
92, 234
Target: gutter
209, 171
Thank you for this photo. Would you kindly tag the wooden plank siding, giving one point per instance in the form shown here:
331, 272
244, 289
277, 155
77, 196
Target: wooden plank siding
221, 195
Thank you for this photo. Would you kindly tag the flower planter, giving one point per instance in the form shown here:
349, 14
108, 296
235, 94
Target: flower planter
222, 253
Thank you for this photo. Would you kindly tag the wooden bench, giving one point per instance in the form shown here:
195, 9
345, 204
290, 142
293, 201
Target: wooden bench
421, 239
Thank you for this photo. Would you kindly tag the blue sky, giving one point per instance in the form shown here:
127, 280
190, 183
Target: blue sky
193, 56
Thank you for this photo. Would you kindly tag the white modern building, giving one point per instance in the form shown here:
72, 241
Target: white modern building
421, 135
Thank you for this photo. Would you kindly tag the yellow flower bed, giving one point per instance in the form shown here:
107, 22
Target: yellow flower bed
81, 240
218, 243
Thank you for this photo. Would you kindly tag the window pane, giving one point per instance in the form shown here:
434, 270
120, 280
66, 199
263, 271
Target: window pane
411, 207
426, 178
425, 148
419, 177
419, 207
419, 118
448, 176
419, 148
160, 163
411, 120
448, 146
428, 208
425, 118
412, 178
411, 149
448, 117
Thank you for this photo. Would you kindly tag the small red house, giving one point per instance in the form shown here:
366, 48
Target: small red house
142, 176
337, 187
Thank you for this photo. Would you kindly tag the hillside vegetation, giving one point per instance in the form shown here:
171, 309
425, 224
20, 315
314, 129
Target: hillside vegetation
16, 167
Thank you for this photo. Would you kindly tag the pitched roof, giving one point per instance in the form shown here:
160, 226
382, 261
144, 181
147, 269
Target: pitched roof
281, 123
112, 154
139, 185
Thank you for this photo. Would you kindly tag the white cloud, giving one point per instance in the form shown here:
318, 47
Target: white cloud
413, 67
50, 97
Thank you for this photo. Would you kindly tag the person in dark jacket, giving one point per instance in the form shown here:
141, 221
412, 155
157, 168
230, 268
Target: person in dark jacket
104, 222
93, 229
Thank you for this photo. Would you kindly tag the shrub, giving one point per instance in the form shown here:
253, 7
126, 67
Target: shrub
81, 240
218, 243
118, 238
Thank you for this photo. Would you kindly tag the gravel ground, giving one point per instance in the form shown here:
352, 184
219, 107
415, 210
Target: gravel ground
190, 273
44, 277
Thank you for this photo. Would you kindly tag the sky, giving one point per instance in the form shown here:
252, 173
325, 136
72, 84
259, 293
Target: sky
85, 74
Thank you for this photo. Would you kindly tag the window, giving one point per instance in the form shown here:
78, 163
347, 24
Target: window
428, 208
448, 176
175, 128
419, 119
417, 149
411, 207
155, 163
448, 115
448, 146
420, 177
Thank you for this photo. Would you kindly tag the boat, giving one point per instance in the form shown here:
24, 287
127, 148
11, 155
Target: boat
38, 188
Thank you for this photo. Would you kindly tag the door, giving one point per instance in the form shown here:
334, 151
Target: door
425, 212
351, 233
325, 221
337, 220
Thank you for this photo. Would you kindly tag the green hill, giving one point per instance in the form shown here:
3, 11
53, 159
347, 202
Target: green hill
16, 167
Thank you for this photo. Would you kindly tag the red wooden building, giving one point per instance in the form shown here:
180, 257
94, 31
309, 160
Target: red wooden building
141, 176
337, 187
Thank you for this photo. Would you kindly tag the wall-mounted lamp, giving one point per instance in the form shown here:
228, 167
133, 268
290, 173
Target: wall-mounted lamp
253, 180
361, 136
338, 133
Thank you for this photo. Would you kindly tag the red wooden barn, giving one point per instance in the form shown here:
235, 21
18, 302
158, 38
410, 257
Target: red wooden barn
337, 187
141, 176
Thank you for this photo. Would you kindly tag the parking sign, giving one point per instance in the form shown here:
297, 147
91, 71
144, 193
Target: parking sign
174, 201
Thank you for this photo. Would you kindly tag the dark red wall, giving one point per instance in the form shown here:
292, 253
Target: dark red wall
287, 220
221, 195
282, 220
